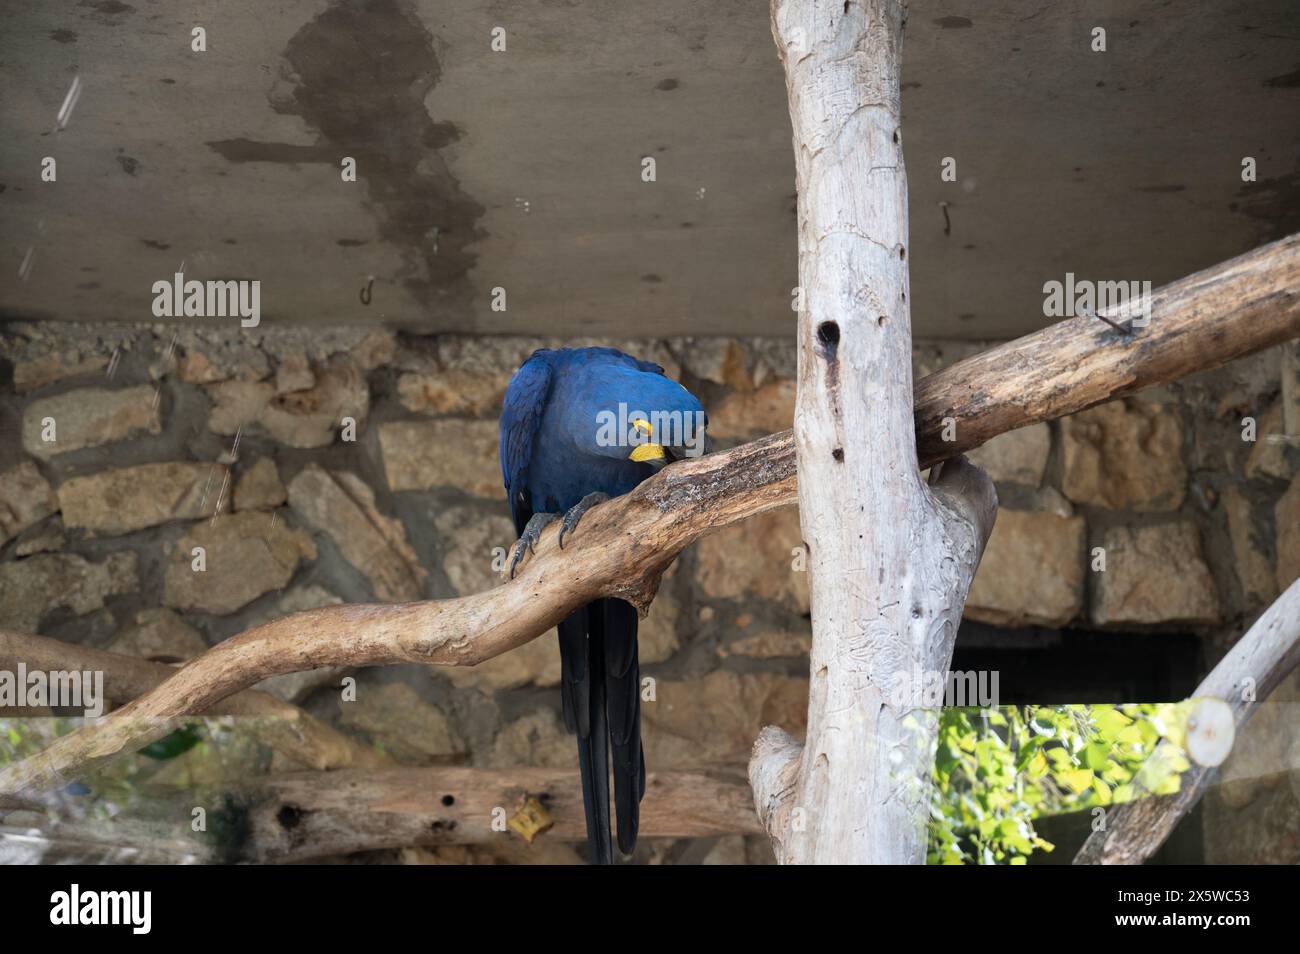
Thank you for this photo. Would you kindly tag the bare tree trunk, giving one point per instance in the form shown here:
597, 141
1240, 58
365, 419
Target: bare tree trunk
890, 558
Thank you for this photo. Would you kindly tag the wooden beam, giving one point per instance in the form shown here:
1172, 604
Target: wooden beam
300, 816
305, 815
1243, 679
1225, 312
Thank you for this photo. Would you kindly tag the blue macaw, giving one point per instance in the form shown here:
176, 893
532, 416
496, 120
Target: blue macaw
581, 425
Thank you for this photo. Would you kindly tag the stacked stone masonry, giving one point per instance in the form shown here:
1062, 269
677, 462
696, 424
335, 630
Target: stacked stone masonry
311, 467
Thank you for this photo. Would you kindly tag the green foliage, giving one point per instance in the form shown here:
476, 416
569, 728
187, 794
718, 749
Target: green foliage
996, 770
199, 756
174, 743
22, 737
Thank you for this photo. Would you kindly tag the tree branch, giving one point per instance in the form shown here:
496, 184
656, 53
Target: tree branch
286, 728
1225, 312
1242, 679
621, 550
1200, 322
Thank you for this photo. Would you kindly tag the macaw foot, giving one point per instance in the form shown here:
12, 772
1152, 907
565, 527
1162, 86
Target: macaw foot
528, 539
577, 510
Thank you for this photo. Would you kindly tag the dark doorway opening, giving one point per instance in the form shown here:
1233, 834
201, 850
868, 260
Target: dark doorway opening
1055, 667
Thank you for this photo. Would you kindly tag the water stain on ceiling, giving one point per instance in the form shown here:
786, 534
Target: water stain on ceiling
520, 167
359, 74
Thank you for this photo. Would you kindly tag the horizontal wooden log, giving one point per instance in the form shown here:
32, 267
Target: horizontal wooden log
622, 547
300, 816
310, 814
1242, 680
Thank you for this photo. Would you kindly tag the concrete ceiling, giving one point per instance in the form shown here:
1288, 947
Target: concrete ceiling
521, 169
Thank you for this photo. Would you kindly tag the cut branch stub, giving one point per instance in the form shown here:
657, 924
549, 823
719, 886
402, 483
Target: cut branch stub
1210, 732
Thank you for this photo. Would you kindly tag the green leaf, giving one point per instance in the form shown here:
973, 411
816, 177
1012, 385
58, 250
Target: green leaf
1097, 756
175, 743
1077, 780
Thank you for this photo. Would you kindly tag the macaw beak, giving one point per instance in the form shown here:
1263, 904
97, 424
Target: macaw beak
645, 453
656, 454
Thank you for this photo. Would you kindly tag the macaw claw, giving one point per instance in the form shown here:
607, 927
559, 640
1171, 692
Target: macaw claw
575, 513
528, 539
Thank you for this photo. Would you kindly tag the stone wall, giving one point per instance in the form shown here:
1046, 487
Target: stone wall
317, 466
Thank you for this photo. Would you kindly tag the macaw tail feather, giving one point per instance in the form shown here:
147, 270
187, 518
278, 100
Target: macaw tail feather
623, 710
601, 693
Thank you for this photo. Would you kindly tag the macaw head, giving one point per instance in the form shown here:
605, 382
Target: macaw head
640, 416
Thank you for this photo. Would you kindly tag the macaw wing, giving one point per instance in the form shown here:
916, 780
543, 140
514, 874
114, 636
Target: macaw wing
521, 416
